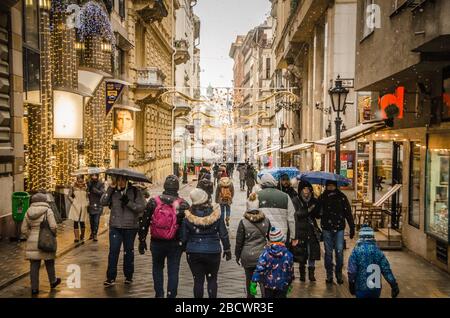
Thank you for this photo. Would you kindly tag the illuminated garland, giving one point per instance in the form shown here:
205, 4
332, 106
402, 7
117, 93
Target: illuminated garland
95, 22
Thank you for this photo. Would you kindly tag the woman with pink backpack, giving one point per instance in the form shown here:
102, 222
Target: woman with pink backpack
163, 215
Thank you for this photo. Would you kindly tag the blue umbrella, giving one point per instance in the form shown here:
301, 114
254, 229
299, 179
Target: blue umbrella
320, 177
278, 172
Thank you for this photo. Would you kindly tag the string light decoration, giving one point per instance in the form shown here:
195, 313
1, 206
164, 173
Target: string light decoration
64, 75
39, 163
95, 22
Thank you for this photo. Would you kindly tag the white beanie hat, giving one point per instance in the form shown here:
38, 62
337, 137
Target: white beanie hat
252, 202
198, 196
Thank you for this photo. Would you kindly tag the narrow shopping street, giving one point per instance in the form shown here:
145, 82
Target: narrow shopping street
419, 280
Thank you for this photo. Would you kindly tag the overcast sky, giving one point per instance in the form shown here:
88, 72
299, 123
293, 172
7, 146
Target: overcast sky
221, 22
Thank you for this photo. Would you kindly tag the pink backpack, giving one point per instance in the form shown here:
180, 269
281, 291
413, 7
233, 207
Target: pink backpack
164, 224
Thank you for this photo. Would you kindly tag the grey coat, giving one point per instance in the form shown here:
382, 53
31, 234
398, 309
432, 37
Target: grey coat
31, 226
251, 238
124, 216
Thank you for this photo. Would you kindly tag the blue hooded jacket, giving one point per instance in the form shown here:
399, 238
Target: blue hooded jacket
275, 268
363, 265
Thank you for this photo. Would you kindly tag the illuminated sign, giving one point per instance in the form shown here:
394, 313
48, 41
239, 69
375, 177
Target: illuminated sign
391, 105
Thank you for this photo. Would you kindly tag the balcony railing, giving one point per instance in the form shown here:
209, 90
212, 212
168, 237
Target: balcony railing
150, 76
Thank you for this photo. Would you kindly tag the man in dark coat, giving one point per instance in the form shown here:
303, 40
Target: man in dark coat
307, 232
160, 248
285, 186
250, 178
95, 190
335, 211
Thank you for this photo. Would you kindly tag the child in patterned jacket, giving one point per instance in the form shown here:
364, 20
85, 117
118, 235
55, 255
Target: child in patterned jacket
366, 265
275, 268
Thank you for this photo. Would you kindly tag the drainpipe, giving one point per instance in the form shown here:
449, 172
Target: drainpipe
173, 80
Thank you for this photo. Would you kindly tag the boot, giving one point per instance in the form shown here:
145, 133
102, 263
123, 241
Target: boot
77, 235
302, 269
82, 235
227, 221
329, 279
95, 238
311, 276
339, 279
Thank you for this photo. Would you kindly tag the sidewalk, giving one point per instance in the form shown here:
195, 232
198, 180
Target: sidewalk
14, 266
416, 277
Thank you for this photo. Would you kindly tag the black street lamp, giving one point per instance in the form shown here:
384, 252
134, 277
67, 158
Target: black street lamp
282, 130
338, 95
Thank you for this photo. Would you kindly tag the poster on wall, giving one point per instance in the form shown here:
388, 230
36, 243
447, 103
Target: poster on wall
123, 125
347, 166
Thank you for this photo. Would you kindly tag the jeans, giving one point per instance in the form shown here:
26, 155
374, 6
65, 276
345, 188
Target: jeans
160, 251
225, 209
273, 293
333, 241
249, 190
34, 272
95, 221
116, 238
248, 279
203, 266
242, 184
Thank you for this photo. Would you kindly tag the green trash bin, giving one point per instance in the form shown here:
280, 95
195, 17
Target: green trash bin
20, 204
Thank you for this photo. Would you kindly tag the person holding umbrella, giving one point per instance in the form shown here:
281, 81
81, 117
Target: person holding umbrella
285, 185
127, 205
335, 211
95, 190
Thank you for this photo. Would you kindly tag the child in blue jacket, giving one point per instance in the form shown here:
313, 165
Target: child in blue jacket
275, 268
366, 265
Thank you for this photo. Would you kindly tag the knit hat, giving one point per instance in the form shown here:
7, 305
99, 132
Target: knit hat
206, 185
304, 184
39, 197
276, 235
328, 182
198, 196
252, 203
171, 183
366, 233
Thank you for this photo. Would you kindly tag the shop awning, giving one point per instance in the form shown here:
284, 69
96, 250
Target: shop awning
298, 147
268, 150
353, 133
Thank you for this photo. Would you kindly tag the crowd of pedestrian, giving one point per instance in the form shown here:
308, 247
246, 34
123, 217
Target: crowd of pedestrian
279, 227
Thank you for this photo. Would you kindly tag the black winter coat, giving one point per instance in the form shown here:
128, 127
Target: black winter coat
95, 191
335, 210
306, 230
288, 190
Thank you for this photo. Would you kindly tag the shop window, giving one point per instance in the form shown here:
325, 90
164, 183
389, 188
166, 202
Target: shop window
437, 185
31, 76
383, 168
118, 62
362, 172
122, 9
31, 23
414, 185
446, 95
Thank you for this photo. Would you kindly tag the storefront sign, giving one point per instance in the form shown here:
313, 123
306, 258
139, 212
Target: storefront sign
113, 91
347, 166
391, 105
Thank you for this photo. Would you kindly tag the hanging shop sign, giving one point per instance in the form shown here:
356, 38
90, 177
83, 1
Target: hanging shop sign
113, 91
123, 125
67, 114
391, 105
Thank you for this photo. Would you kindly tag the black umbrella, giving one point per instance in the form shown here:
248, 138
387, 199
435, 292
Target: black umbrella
129, 174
